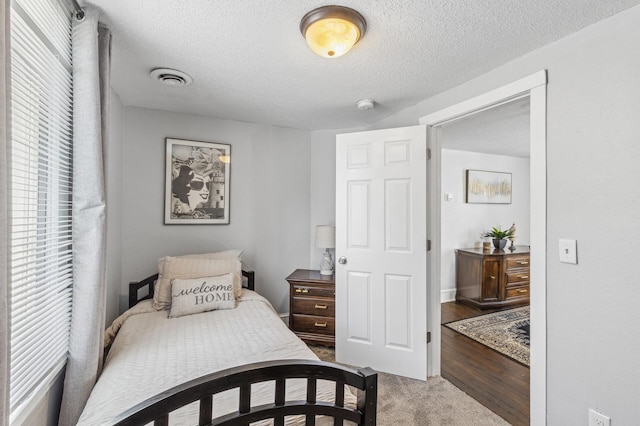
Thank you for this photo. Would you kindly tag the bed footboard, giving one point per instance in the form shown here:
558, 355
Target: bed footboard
156, 409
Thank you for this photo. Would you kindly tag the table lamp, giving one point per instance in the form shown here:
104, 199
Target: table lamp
326, 239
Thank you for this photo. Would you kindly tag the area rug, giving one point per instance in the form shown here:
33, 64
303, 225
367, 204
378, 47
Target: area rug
506, 332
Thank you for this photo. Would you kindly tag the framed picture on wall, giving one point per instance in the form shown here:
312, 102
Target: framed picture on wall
196, 182
488, 187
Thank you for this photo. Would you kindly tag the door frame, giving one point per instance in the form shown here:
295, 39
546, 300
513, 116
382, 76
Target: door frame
533, 87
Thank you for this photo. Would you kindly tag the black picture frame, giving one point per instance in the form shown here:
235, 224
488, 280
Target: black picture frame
197, 182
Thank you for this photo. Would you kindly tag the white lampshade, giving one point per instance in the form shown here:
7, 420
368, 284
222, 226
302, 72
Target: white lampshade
326, 236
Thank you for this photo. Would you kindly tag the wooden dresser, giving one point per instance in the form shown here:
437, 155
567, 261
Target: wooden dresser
494, 278
312, 306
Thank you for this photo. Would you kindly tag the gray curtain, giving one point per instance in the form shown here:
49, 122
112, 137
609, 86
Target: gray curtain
91, 60
5, 145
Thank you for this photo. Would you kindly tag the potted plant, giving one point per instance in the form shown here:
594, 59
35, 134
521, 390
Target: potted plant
499, 236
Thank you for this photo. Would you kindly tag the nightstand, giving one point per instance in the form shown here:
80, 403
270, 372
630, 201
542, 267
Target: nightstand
312, 306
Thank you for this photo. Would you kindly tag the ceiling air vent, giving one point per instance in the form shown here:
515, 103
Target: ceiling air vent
171, 77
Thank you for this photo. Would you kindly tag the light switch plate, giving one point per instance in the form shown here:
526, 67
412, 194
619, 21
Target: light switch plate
568, 251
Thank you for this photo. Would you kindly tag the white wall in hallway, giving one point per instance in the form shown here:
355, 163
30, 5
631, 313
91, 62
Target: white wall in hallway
464, 223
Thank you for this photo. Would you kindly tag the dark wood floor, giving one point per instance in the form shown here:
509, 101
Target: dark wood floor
494, 380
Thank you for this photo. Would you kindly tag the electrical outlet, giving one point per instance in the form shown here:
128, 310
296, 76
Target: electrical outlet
598, 419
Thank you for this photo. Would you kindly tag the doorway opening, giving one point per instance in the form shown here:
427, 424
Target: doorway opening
494, 143
533, 88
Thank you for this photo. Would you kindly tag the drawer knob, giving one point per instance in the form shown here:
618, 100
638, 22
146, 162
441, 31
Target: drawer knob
320, 324
523, 277
524, 262
492, 277
522, 291
318, 306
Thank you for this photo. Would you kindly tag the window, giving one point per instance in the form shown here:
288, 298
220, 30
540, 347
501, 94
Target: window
41, 174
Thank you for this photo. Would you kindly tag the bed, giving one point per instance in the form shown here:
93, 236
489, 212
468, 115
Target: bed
235, 366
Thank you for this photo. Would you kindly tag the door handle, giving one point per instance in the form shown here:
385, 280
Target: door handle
342, 260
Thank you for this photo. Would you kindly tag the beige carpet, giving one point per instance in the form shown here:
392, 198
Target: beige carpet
407, 402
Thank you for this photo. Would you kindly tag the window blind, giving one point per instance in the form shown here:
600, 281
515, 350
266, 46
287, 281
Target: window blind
41, 174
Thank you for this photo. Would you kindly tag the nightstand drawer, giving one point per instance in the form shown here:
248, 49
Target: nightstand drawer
300, 289
314, 324
322, 307
517, 292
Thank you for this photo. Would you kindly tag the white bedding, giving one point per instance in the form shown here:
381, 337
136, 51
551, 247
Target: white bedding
153, 353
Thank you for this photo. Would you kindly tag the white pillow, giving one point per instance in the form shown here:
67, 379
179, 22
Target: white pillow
201, 295
225, 254
187, 268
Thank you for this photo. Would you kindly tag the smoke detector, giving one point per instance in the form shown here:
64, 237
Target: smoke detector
171, 77
365, 104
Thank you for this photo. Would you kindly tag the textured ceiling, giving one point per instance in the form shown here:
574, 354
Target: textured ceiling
501, 130
249, 61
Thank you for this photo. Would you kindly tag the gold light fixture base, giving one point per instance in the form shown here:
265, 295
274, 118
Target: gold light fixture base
331, 31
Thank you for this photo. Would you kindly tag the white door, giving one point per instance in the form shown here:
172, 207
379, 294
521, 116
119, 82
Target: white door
381, 250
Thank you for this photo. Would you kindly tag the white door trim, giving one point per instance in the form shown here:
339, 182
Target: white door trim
533, 86
501, 95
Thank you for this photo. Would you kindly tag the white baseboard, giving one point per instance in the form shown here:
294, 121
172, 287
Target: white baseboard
447, 295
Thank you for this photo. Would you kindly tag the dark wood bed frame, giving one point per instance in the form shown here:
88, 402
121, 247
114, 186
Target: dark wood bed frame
157, 408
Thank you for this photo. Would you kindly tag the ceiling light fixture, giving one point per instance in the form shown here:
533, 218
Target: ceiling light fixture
171, 77
331, 31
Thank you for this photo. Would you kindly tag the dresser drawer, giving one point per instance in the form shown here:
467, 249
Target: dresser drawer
518, 292
314, 324
521, 277
517, 262
311, 291
321, 307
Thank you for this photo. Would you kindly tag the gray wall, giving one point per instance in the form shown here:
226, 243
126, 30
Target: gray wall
269, 198
322, 188
114, 207
593, 153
